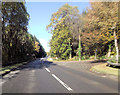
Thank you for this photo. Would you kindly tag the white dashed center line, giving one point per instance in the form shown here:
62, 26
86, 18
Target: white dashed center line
47, 70
66, 86
61, 82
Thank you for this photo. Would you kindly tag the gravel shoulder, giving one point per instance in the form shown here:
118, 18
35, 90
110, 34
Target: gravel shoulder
79, 65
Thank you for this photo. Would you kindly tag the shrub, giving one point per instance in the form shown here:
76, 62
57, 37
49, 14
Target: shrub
113, 59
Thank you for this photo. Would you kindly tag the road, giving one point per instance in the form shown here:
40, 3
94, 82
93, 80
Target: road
48, 77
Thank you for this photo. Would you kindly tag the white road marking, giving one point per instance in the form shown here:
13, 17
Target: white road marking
66, 86
47, 70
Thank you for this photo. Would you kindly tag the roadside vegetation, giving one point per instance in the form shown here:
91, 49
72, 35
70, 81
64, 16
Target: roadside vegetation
94, 34
103, 69
7, 69
18, 44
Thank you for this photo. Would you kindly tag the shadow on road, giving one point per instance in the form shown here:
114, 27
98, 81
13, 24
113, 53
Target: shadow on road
98, 61
49, 63
33, 65
37, 64
41, 64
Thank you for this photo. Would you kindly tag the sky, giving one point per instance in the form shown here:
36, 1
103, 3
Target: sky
40, 15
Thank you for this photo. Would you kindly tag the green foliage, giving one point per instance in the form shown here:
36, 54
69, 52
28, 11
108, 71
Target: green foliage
102, 57
94, 27
85, 57
113, 59
98, 33
75, 58
18, 44
63, 24
60, 44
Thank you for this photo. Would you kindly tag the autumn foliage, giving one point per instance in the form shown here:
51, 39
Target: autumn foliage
94, 25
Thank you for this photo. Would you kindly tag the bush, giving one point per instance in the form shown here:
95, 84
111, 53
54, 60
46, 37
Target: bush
75, 58
70, 60
92, 57
85, 57
102, 57
113, 59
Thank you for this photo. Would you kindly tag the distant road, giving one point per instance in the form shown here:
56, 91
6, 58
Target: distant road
48, 77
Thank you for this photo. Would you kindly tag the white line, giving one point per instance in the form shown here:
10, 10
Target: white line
66, 86
47, 69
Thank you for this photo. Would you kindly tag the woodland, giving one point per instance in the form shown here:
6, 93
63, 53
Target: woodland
93, 34
18, 44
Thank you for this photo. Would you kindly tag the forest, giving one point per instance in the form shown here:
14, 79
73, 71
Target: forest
18, 44
93, 34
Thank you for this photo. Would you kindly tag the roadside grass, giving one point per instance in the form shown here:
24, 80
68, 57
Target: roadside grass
113, 59
8, 68
60, 60
103, 69
56, 60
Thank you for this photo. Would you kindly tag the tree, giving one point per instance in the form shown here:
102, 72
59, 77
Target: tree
97, 29
63, 25
18, 44
15, 20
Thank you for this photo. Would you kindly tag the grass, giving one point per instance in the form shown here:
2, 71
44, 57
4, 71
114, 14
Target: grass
113, 59
102, 68
8, 68
73, 59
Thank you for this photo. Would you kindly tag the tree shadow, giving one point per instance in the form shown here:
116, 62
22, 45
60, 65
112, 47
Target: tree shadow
49, 63
99, 61
33, 65
116, 67
36, 64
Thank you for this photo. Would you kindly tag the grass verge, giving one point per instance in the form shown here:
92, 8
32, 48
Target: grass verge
6, 69
58, 60
103, 69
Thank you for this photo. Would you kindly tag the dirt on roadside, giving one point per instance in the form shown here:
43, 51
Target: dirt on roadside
82, 65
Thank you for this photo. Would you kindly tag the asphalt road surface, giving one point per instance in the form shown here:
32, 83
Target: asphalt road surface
47, 77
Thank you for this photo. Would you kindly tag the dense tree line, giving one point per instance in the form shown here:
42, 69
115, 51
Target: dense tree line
18, 44
101, 28
97, 30
63, 23
99, 22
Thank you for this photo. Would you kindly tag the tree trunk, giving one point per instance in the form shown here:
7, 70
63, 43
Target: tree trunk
79, 51
109, 51
70, 52
116, 47
95, 55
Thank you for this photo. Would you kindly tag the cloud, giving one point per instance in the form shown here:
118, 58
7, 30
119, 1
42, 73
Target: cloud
45, 44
